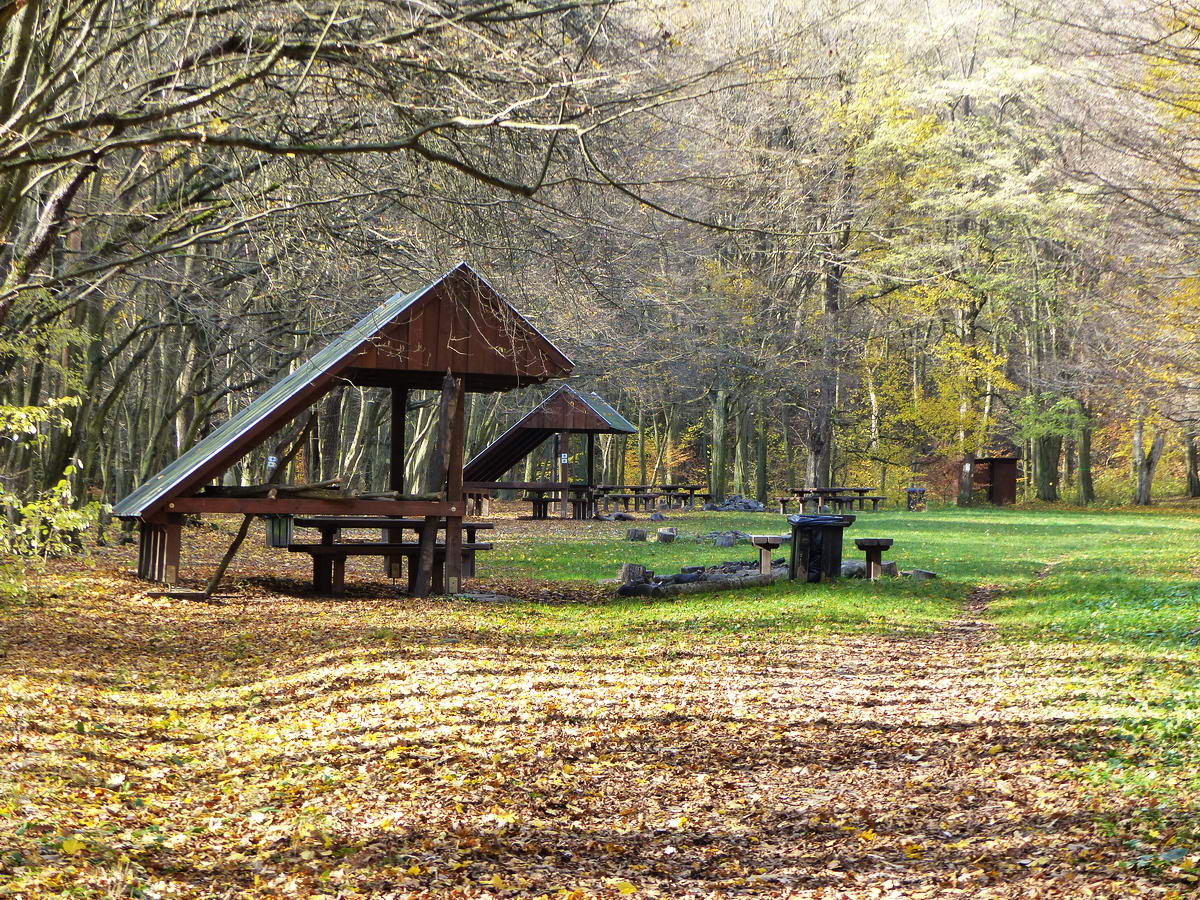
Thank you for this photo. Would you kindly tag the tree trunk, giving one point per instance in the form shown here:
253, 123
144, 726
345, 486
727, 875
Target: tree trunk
1144, 462
720, 447
966, 479
641, 443
743, 451
1046, 451
1087, 490
760, 486
1193, 464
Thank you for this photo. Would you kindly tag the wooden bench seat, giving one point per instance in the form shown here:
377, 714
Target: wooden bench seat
329, 560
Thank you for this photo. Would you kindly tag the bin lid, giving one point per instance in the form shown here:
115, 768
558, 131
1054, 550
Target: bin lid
819, 520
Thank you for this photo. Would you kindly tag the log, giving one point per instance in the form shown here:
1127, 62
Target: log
635, 534
697, 587
667, 535
321, 489
631, 573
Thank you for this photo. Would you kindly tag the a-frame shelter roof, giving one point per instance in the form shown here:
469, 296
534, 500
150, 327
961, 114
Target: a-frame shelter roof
566, 409
456, 323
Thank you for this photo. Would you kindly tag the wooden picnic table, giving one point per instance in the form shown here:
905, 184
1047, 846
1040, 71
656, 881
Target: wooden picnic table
329, 556
680, 493
798, 491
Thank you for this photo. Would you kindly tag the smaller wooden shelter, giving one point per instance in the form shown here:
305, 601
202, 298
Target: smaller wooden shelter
456, 333
998, 476
562, 414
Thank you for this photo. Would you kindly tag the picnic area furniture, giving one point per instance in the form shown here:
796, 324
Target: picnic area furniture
767, 544
817, 547
840, 499
329, 554
678, 495
640, 495
456, 334
562, 414
874, 548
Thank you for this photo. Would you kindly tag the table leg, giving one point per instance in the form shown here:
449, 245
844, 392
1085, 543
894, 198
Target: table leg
322, 574
337, 584
874, 563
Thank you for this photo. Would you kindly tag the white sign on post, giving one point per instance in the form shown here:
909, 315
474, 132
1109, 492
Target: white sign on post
272, 462
563, 459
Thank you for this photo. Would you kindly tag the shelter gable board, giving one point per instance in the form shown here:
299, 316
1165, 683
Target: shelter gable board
463, 326
569, 410
461, 316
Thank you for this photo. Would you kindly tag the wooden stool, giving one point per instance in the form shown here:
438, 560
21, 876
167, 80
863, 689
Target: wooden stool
874, 548
765, 544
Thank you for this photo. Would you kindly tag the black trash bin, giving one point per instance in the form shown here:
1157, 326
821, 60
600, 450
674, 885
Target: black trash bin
916, 498
817, 546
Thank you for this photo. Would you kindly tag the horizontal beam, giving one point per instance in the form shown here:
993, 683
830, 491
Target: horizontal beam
473, 486
256, 506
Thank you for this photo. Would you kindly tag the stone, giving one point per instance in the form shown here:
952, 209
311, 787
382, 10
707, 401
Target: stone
657, 517
889, 568
736, 503
921, 574
688, 570
667, 535
624, 517
725, 540
635, 534
689, 577
854, 568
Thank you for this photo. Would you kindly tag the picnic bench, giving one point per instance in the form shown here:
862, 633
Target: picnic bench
329, 555
640, 495
680, 495
841, 499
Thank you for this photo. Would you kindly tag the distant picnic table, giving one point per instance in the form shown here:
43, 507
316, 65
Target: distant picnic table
839, 497
648, 496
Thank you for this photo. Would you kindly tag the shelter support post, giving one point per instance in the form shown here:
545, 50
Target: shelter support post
450, 411
591, 474
393, 564
454, 491
562, 451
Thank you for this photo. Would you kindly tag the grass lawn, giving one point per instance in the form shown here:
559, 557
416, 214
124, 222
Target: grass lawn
840, 740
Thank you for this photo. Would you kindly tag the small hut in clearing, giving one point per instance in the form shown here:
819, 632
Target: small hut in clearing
455, 333
998, 476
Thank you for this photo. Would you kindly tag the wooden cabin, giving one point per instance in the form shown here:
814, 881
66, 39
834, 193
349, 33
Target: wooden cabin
998, 476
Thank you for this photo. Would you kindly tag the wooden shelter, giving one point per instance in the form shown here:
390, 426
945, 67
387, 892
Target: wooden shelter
456, 333
564, 413
997, 475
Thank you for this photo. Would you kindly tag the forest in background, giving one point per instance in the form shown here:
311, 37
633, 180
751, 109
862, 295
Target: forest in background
794, 242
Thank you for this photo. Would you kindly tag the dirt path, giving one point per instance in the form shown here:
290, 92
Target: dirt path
281, 748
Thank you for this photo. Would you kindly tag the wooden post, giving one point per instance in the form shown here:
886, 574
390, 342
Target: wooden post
562, 448
174, 540
591, 475
158, 549
421, 579
454, 491
393, 564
